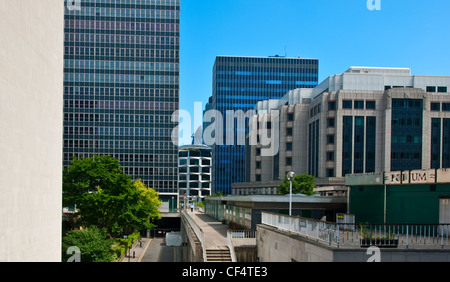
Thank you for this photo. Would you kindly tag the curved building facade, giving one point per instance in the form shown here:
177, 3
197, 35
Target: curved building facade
194, 168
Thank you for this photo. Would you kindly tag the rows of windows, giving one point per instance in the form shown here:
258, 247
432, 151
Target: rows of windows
122, 92
120, 105
161, 159
435, 106
195, 162
154, 164
110, 78
196, 177
195, 153
248, 90
117, 26
121, 66
132, 2
118, 131
137, 13
118, 118
229, 73
203, 185
260, 80
123, 54
117, 145
195, 169
439, 89
272, 64
356, 104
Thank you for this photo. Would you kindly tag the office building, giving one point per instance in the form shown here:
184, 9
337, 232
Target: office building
31, 111
365, 120
121, 86
195, 171
238, 83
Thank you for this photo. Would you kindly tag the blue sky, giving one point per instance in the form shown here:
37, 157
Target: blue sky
340, 33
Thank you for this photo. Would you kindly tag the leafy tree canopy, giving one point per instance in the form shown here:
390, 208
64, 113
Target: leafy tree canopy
303, 184
93, 243
107, 198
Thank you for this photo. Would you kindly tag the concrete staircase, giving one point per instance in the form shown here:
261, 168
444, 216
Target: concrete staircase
218, 255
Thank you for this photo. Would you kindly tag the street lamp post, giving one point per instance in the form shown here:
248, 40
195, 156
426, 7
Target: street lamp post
290, 177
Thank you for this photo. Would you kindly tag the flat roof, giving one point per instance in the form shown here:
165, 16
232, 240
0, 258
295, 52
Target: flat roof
266, 57
279, 199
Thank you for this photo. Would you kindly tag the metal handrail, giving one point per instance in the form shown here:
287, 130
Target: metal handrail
234, 236
198, 232
231, 246
362, 234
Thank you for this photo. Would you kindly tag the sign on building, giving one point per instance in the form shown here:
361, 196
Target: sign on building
410, 177
425, 176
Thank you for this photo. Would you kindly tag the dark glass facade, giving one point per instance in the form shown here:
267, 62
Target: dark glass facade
440, 142
347, 145
121, 85
358, 150
313, 149
371, 129
358, 144
238, 84
406, 138
446, 143
435, 142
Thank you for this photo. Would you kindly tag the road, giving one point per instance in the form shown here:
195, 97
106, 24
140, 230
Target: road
157, 251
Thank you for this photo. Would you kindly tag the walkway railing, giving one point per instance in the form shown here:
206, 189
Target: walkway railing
240, 238
243, 237
197, 230
363, 235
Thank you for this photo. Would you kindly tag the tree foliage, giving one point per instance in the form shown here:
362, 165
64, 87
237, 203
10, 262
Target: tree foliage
107, 198
93, 243
303, 184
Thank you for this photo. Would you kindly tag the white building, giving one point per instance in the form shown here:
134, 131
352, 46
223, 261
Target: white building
31, 119
194, 168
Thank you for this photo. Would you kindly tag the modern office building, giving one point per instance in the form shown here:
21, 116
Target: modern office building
195, 171
121, 86
31, 118
238, 83
365, 120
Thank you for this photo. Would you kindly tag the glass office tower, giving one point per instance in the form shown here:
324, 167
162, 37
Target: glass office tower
121, 86
238, 84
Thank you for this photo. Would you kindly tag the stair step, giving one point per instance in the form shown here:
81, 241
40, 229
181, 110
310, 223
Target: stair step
218, 255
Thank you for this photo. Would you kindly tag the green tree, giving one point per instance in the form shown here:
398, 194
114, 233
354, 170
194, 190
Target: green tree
149, 203
303, 184
93, 243
106, 197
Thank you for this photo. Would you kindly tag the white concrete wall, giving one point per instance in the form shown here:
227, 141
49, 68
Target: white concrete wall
280, 246
31, 119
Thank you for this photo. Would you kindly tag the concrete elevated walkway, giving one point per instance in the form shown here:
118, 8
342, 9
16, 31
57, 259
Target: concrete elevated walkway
214, 232
214, 235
